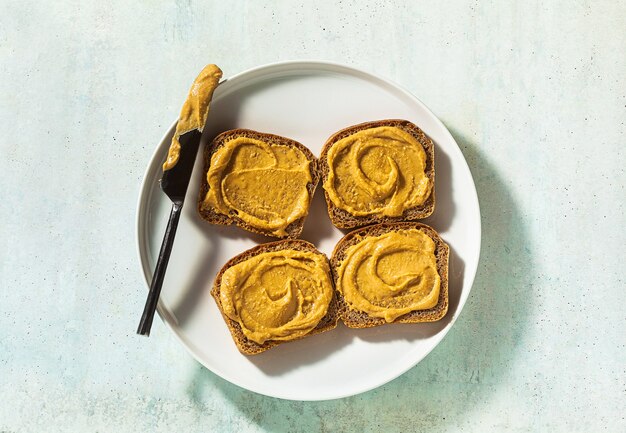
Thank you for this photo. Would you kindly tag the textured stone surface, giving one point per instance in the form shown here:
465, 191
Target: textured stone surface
535, 94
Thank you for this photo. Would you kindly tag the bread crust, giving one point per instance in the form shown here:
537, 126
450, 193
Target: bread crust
358, 319
345, 220
214, 217
247, 346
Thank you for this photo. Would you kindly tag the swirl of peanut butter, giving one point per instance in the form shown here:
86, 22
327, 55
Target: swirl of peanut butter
279, 295
390, 275
264, 184
378, 170
195, 110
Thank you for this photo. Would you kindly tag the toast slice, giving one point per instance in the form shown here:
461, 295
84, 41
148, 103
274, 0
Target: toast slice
247, 346
213, 216
344, 219
358, 319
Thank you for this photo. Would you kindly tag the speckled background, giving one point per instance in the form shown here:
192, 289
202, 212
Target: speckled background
535, 94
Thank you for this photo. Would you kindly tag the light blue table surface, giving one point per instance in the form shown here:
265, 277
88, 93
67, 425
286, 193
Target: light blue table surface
535, 94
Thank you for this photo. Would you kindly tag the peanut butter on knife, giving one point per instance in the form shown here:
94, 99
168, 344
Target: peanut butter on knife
194, 113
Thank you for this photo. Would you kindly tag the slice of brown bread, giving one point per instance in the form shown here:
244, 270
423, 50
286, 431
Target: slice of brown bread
359, 319
247, 346
213, 216
345, 220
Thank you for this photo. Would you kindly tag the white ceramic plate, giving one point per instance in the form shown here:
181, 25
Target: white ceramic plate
306, 101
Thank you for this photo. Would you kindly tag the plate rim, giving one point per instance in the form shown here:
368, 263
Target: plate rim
320, 65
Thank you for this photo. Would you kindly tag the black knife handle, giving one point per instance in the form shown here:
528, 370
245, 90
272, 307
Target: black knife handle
159, 273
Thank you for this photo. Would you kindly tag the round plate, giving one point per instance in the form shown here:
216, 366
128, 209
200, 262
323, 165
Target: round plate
306, 101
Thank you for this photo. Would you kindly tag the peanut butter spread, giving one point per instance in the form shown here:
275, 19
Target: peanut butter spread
279, 295
264, 184
194, 113
390, 275
377, 171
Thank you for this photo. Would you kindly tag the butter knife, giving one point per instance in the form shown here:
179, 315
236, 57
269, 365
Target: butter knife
174, 184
